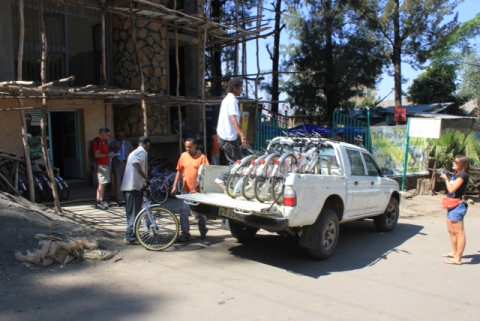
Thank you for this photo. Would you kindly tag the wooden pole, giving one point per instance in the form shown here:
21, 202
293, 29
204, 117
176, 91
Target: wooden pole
259, 23
177, 88
202, 82
244, 50
235, 66
26, 146
140, 69
43, 121
104, 46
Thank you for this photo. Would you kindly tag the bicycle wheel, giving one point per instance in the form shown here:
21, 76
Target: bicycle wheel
156, 228
248, 187
277, 187
262, 189
158, 191
231, 184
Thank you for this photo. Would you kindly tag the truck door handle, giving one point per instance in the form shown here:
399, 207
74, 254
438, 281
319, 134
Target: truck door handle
355, 183
372, 183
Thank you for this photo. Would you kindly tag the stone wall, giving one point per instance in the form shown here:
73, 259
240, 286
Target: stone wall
153, 54
129, 118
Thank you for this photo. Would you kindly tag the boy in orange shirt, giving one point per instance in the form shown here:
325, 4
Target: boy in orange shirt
187, 169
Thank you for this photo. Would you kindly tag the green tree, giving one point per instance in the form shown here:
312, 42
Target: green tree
411, 28
435, 85
470, 87
456, 45
333, 59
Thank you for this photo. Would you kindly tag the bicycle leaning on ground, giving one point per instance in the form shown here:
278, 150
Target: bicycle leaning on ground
156, 228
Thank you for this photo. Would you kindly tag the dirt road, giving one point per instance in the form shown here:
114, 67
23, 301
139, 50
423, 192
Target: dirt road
392, 276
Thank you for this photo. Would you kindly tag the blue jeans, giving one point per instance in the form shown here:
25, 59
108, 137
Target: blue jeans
185, 223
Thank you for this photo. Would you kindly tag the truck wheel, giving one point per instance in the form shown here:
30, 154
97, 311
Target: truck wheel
321, 238
242, 232
388, 220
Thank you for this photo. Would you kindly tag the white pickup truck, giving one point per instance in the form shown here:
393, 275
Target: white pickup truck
350, 187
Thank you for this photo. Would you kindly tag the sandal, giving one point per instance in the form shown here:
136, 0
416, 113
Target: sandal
450, 261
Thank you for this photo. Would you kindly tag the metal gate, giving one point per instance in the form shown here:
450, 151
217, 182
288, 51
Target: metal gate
347, 128
265, 131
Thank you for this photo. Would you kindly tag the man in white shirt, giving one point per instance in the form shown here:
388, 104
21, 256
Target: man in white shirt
229, 131
134, 180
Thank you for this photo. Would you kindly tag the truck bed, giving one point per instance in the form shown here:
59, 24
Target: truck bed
223, 200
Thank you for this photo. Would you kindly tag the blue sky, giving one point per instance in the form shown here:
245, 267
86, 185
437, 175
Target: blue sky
467, 10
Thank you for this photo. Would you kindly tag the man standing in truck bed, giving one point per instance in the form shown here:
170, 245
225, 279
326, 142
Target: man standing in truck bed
229, 131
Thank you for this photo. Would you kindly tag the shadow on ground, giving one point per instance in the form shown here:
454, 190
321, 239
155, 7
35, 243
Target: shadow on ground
359, 246
27, 299
24, 297
472, 259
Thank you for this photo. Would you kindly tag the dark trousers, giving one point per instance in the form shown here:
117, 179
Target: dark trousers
232, 152
118, 169
133, 205
185, 223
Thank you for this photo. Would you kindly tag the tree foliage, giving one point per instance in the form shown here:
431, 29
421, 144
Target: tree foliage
435, 85
470, 88
454, 47
412, 29
334, 57
452, 144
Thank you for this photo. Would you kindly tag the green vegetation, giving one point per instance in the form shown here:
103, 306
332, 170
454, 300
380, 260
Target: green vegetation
435, 85
454, 143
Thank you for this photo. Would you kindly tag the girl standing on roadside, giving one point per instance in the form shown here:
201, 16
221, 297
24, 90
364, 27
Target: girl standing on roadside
456, 208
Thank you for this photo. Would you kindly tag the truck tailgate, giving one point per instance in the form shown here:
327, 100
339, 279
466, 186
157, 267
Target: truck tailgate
223, 200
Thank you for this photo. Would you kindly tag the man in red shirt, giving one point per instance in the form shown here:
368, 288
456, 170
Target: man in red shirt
101, 153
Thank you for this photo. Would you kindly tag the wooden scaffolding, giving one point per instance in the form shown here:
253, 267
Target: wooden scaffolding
29, 94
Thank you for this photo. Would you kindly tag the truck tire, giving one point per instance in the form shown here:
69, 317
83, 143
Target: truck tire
388, 220
242, 232
321, 238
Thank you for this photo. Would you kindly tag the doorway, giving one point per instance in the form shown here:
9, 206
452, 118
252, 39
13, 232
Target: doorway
66, 143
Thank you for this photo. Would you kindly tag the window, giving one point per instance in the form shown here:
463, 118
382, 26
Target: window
328, 161
372, 167
356, 163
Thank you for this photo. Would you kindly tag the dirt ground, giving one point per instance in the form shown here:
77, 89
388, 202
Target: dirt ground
373, 276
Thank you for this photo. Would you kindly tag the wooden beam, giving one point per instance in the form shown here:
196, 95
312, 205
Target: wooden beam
24, 130
202, 84
133, 26
177, 87
104, 44
43, 121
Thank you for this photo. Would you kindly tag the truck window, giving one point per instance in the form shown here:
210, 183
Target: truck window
328, 162
356, 163
372, 167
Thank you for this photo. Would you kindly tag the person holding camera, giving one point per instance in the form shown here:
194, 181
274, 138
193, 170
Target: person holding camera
456, 208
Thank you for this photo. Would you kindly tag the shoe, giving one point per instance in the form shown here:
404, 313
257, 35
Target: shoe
130, 242
101, 206
184, 238
203, 236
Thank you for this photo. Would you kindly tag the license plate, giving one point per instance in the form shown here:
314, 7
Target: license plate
229, 213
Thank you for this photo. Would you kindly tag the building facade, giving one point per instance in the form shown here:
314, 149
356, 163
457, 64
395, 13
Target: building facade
74, 48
